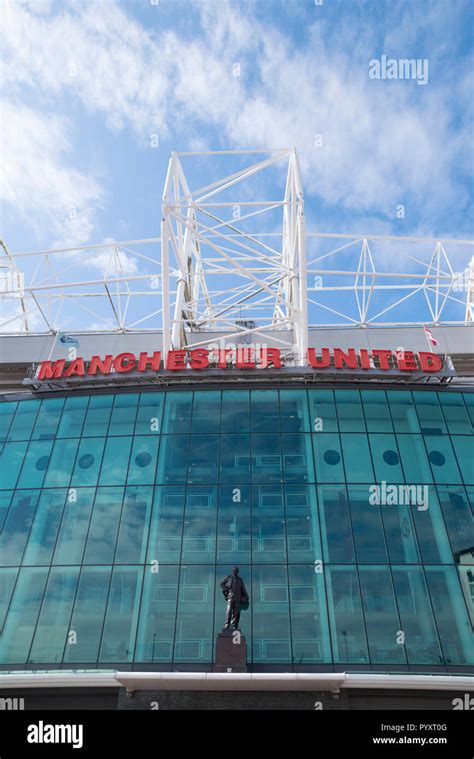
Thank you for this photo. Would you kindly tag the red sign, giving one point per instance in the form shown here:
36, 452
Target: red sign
243, 358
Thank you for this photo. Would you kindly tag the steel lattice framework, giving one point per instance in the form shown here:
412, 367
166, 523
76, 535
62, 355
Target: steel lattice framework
236, 266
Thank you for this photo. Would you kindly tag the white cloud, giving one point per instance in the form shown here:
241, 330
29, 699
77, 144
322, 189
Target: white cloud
383, 143
37, 181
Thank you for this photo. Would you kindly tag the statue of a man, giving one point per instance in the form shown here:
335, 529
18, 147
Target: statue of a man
235, 594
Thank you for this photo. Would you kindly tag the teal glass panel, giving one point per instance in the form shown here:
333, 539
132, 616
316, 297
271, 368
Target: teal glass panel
417, 621
235, 411
322, 410
357, 460
328, 458
115, 461
455, 414
98, 416
19, 626
7, 584
11, 459
124, 413
5, 500
233, 528
166, 526
141, 470
35, 464
294, 413
133, 532
265, 411
104, 524
433, 539
173, 460
367, 526
349, 411
200, 525
203, 461
149, 416
235, 459
442, 459
24, 420
348, 635
266, 458
399, 530
459, 518
118, 638
48, 418
88, 461
74, 526
336, 531
61, 463
194, 641
403, 412
157, 620
302, 524
469, 401
88, 615
177, 413
429, 412
298, 463
72, 419
44, 530
386, 458
452, 620
415, 462
466, 578
53, 622
464, 448
308, 614
7, 412
17, 527
381, 617
376, 410
271, 614
206, 411
268, 525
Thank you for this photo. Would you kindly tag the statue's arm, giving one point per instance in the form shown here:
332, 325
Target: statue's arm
245, 595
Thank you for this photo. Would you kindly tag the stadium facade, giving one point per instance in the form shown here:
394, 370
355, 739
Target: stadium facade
337, 472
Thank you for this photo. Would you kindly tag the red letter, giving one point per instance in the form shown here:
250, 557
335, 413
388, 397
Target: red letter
349, 358
76, 367
154, 361
430, 362
364, 359
102, 366
270, 356
382, 357
48, 371
245, 358
406, 362
199, 358
319, 363
223, 353
176, 360
119, 364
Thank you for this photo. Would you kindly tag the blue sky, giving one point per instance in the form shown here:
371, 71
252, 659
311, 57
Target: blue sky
86, 85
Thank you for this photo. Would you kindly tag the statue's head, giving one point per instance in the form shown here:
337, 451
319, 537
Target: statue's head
235, 570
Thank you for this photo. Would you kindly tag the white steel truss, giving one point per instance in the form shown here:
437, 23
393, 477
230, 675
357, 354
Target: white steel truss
231, 266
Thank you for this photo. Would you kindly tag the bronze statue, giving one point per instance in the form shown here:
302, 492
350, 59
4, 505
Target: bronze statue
235, 594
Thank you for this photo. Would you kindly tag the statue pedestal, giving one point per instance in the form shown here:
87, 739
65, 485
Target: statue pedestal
231, 652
